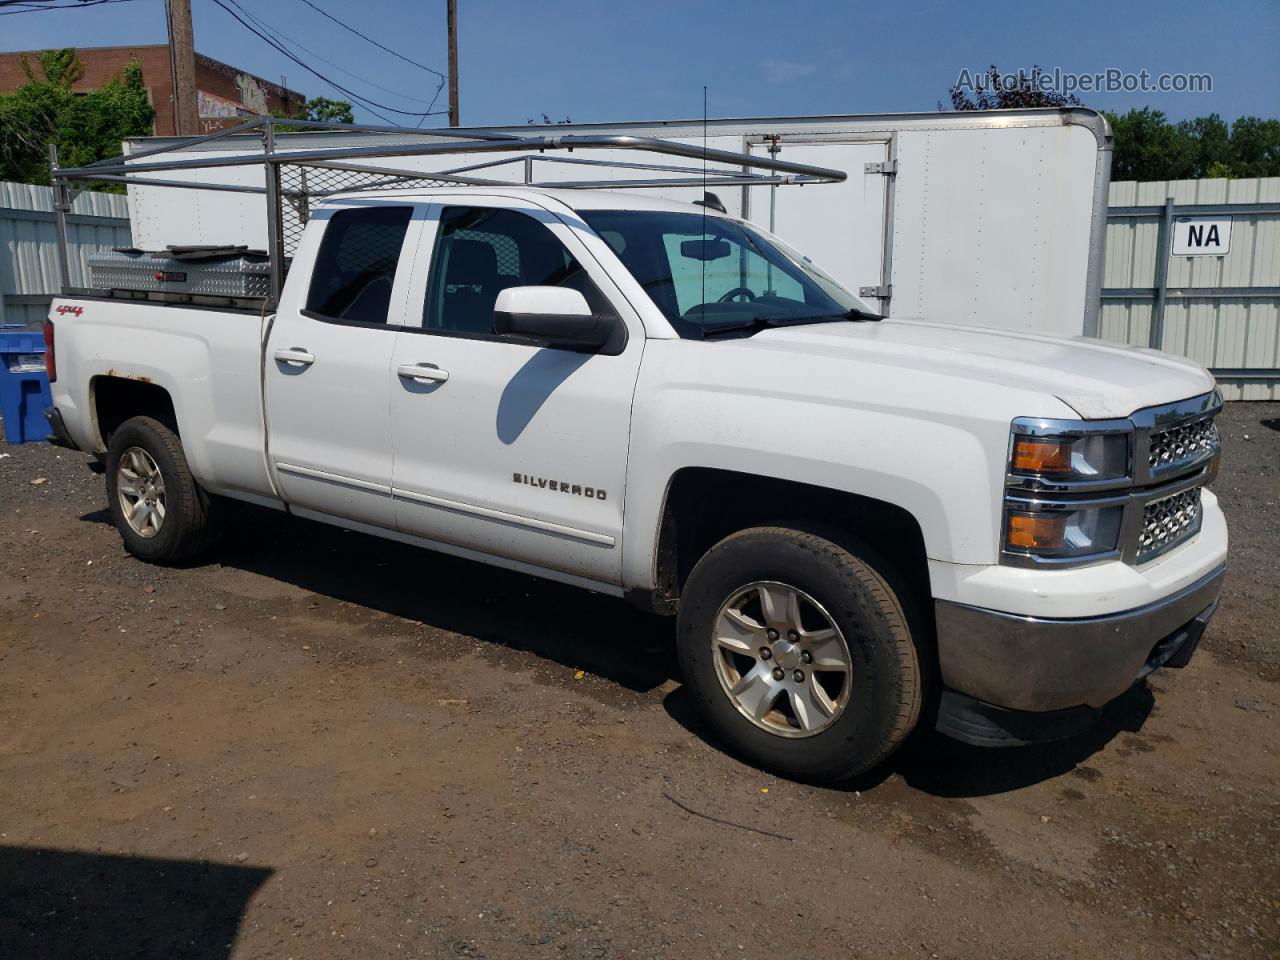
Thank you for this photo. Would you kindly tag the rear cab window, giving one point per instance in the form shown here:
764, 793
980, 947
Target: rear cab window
355, 267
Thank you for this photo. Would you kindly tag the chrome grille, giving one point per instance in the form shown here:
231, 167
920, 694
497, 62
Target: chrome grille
1183, 444
1167, 522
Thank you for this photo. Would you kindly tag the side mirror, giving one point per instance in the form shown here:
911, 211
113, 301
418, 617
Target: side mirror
558, 315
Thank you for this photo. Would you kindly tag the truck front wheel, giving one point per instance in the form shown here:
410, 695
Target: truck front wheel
798, 654
162, 514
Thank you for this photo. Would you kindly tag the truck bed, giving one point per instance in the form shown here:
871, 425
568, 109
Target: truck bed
207, 358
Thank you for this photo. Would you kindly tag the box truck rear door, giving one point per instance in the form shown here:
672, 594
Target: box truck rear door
840, 226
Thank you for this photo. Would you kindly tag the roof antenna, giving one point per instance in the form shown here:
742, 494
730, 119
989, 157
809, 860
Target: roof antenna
708, 199
703, 258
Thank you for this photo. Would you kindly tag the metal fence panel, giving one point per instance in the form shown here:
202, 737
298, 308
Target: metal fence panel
1221, 311
29, 245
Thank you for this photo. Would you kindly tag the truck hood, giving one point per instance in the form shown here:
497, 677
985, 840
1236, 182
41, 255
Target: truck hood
1095, 378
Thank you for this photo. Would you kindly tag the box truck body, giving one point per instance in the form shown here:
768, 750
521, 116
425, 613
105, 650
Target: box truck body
994, 219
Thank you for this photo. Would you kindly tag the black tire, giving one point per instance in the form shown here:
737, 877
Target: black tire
886, 685
188, 528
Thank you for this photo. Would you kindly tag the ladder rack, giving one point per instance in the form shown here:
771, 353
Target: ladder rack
294, 177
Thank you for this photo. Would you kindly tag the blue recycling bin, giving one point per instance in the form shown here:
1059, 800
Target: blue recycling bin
24, 386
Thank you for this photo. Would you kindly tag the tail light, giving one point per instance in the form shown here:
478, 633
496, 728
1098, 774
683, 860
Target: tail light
50, 359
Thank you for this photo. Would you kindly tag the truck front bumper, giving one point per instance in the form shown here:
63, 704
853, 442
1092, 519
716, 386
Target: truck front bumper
1014, 679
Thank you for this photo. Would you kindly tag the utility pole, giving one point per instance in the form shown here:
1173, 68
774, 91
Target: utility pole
454, 121
182, 64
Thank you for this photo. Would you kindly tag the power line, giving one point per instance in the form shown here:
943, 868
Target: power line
280, 35
364, 101
43, 6
281, 49
278, 44
347, 26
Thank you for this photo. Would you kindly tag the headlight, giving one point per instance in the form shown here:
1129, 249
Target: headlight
1078, 492
1061, 533
1065, 483
1086, 459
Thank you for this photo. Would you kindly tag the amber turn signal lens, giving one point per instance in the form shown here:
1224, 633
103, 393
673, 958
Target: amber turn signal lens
1036, 531
1038, 455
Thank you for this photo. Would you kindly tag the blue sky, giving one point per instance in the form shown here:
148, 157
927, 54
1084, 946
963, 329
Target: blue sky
598, 61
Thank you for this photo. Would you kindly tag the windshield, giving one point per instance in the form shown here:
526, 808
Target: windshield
708, 274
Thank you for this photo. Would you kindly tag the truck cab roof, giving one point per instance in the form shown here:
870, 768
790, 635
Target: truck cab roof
574, 199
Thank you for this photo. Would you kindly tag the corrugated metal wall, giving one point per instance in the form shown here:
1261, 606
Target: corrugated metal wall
29, 245
1222, 311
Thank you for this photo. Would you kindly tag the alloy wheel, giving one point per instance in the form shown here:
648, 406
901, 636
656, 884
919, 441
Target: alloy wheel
140, 487
781, 659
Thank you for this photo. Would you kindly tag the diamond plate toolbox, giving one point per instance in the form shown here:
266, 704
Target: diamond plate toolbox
235, 275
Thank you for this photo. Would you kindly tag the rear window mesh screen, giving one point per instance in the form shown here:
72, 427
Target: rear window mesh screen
302, 187
504, 248
355, 269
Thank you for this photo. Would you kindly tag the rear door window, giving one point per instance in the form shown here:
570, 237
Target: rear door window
355, 268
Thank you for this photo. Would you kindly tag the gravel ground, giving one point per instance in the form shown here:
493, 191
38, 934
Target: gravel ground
322, 745
1245, 628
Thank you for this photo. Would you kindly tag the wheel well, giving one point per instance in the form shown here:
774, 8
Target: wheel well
116, 399
704, 506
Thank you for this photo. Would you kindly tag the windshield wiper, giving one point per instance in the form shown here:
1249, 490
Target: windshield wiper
857, 313
764, 323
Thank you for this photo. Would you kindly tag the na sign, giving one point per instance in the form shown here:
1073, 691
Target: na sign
1201, 236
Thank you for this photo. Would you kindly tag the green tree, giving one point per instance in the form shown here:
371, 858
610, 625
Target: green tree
61, 67
1255, 147
321, 110
84, 126
1148, 147
991, 91
1210, 140
324, 110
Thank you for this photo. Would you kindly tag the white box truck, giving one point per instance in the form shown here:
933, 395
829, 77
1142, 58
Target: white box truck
994, 219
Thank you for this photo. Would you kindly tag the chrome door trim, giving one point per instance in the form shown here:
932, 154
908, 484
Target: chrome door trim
501, 516
311, 473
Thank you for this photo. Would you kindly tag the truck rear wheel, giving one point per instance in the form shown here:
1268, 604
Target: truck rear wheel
162, 514
798, 653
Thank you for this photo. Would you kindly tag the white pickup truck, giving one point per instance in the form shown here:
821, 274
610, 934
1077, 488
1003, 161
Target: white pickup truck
860, 523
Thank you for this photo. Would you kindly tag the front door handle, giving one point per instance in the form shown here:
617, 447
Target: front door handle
422, 373
296, 356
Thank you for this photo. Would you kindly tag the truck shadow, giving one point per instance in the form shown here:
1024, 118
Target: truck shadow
942, 767
606, 637
62, 904
572, 627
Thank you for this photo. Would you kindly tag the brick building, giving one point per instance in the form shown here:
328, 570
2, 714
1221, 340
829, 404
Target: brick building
225, 93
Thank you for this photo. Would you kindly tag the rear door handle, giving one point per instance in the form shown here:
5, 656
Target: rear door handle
296, 356
422, 373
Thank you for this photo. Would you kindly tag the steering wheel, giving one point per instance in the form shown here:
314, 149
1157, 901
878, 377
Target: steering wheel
735, 293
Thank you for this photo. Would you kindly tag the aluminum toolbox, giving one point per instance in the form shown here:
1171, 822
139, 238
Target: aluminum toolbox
220, 272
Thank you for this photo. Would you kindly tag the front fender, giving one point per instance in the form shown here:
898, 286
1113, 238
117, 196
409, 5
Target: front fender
942, 463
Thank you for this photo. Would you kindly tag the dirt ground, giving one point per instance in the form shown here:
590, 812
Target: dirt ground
326, 746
